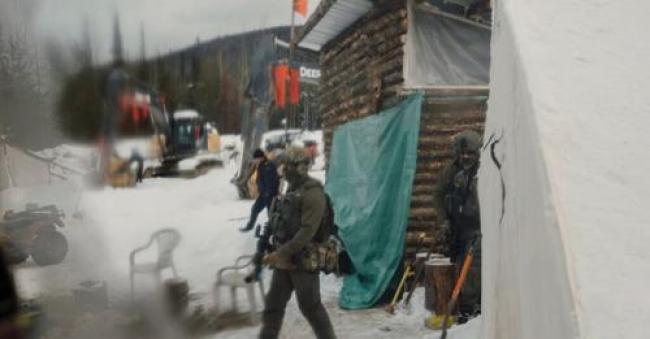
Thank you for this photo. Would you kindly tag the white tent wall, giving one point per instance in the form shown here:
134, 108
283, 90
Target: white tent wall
568, 100
526, 290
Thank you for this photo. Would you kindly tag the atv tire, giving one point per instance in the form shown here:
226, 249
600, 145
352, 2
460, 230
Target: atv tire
49, 248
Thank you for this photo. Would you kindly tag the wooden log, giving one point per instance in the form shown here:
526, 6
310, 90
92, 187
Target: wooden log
455, 104
424, 188
422, 212
422, 199
91, 296
439, 283
177, 293
415, 225
412, 239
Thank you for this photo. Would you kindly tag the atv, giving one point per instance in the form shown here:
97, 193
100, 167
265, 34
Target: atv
34, 232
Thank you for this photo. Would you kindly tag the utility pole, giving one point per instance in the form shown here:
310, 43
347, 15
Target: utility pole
290, 109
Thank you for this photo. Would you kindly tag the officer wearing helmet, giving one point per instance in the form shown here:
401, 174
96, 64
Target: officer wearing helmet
457, 203
295, 222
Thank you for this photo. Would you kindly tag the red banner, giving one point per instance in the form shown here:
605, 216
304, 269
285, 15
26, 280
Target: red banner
280, 73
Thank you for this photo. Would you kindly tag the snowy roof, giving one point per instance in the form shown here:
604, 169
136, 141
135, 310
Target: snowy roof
186, 114
330, 19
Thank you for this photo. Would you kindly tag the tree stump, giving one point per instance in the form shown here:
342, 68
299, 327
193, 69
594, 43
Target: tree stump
429, 288
440, 274
177, 293
91, 296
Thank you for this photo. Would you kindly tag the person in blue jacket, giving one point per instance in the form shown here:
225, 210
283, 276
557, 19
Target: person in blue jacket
268, 184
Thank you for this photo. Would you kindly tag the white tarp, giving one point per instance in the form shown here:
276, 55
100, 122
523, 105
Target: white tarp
442, 51
566, 246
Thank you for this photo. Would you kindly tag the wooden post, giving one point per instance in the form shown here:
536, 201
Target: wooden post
439, 282
177, 292
290, 111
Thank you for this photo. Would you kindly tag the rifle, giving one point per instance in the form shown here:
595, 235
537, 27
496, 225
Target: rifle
263, 235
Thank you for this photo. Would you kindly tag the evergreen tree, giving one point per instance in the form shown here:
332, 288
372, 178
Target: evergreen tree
143, 71
117, 49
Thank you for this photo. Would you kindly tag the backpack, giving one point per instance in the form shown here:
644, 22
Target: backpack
327, 226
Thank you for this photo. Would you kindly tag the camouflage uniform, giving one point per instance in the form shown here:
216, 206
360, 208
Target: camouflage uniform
457, 203
295, 226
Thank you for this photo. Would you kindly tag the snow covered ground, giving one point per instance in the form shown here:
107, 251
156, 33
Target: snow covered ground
207, 212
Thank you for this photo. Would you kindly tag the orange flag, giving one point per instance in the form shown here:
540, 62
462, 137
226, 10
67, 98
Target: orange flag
300, 7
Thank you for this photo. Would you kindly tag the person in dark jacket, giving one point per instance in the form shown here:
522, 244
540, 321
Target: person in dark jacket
459, 215
295, 223
139, 161
268, 184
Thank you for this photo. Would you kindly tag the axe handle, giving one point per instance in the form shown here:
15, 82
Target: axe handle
459, 285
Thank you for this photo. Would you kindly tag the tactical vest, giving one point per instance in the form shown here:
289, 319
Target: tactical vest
285, 221
285, 216
462, 207
461, 199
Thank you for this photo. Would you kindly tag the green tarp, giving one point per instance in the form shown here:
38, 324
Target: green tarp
370, 178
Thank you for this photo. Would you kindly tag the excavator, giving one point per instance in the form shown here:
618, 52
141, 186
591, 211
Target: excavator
139, 138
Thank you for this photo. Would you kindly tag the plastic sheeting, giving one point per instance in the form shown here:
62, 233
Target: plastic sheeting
442, 51
372, 166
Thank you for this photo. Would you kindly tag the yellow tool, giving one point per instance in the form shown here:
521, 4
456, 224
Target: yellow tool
391, 307
434, 322
408, 271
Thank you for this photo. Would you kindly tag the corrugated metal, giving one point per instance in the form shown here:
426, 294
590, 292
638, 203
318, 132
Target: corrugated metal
340, 16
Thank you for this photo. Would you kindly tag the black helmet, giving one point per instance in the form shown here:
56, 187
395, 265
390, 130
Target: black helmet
466, 141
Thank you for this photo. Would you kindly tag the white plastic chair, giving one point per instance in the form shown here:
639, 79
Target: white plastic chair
234, 278
167, 240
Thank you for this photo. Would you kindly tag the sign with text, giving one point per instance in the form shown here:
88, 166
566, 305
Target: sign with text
309, 73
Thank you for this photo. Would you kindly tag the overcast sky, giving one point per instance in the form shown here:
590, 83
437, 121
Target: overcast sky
168, 24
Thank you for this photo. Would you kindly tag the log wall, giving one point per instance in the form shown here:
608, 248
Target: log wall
362, 68
443, 116
362, 74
